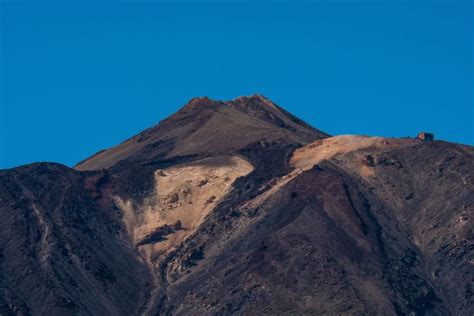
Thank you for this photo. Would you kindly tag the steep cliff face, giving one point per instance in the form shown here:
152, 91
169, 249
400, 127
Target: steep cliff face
238, 207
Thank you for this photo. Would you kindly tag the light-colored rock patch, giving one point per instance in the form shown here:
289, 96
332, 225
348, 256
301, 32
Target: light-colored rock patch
312, 154
184, 194
348, 149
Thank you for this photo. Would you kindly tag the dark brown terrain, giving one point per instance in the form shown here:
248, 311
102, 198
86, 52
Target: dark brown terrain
238, 207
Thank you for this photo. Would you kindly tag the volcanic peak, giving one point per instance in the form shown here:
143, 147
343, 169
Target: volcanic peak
251, 100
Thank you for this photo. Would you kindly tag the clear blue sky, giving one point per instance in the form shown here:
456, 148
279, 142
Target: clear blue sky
80, 76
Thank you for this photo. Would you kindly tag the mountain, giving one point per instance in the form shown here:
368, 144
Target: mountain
238, 207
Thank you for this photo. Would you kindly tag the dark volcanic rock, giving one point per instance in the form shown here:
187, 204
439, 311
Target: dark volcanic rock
159, 234
238, 207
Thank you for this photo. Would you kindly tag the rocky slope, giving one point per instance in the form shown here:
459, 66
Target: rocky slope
238, 207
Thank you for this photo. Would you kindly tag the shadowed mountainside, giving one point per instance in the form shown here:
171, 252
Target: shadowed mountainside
238, 207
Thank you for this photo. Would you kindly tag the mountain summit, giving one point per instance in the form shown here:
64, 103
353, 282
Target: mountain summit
238, 207
206, 127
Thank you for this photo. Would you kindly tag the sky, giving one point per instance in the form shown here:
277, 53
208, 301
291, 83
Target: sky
80, 76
